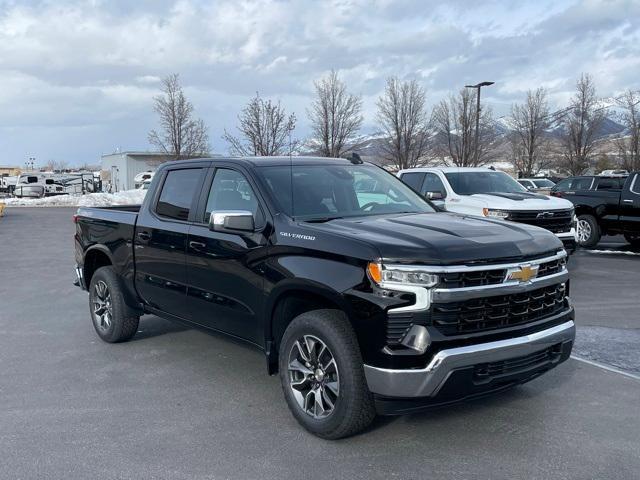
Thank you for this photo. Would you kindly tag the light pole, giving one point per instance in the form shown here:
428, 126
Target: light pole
478, 87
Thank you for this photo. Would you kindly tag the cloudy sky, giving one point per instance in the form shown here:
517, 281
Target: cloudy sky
77, 78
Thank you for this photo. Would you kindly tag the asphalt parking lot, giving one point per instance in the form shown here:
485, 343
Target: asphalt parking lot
178, 403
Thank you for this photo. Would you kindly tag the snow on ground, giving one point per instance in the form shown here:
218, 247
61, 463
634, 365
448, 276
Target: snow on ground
127, 197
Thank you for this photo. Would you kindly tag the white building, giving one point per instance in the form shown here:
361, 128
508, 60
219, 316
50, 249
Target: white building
122, 167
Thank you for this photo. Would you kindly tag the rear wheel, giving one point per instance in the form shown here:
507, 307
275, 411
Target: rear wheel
112, 319
633, 239
322, 375
588, 231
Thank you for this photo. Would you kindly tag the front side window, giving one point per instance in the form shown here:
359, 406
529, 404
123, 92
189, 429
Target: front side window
581, 183
230, 190
544, 183
635, 184
318, 192
471, 183
563, 185
177, 193
413, 179
432, 183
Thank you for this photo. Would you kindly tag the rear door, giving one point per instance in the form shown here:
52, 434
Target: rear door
160, 239
630, 205
224, 270
607, 190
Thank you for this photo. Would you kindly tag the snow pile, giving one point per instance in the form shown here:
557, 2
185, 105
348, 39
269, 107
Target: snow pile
127, 197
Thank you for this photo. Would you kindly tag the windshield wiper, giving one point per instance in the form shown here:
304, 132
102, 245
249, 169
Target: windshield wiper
321, 219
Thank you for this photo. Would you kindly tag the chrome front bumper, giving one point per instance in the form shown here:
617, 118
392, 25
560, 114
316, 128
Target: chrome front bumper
427, 382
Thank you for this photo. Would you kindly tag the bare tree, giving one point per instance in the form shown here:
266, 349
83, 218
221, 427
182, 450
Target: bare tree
180, 134
528, 137
335, 116
454, 121
402, 115
628, 144
265, 130
581, 125
56, 165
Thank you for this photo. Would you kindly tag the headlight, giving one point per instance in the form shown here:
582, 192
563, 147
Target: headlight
401, 275
491, 213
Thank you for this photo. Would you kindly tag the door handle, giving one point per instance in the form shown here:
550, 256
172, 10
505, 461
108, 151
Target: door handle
145, 236
628, 201
197, 245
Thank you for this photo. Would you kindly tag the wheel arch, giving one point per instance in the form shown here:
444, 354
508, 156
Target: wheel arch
95, 257
290, 300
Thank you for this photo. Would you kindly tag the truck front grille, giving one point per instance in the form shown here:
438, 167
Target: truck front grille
478, 278
490, 313
556, 221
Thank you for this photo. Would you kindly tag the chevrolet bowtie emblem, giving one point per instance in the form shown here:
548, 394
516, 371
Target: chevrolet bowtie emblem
522, 274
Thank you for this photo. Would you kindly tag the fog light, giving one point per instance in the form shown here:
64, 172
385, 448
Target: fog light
417, 338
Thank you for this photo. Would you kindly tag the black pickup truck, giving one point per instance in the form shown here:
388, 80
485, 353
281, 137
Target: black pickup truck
363, 299
604, 206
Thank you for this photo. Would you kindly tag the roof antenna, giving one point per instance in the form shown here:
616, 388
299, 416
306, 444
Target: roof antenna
291, 172
354, 158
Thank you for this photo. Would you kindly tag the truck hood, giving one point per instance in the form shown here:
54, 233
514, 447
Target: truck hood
522, 201
443, 238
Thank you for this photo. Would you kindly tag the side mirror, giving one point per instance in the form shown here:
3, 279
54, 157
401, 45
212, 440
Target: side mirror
434, 195
231, 221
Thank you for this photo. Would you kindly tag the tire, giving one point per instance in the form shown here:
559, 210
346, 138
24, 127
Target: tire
112, 320
353, 408
588, 231
633, 239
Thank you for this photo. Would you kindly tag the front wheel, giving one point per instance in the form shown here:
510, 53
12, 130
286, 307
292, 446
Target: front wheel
588, 231
322, 375
112, 319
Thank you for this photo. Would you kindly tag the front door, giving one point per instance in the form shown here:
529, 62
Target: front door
224, 270
160, 240
630, 205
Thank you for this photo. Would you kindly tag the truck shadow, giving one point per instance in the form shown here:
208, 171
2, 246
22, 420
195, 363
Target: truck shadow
152, 326
519, 397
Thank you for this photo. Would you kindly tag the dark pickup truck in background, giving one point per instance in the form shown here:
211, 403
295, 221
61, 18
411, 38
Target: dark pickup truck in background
604, 206
364, 299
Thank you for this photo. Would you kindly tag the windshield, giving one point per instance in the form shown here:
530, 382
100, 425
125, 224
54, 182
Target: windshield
543, 183
470, 183
324, 192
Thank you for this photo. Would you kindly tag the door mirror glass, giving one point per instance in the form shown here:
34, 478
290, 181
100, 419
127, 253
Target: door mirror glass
434, 195
232, 221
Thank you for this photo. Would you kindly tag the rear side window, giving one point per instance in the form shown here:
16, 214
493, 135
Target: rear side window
608, 184
177, 193
413, 179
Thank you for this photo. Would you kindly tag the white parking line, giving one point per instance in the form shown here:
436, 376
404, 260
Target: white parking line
606, 367
613, 252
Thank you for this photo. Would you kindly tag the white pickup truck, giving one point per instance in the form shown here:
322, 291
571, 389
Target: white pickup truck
490, 193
